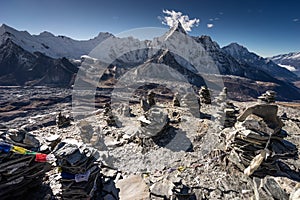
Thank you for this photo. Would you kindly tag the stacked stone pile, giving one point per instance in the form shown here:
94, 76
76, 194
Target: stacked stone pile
21, 167
204, 95
63, 120
257, 143
222, 96
144, 105
267, 97
153, 122
151, 98
176, 100
79, 172
231, 112
226, 111
191, 102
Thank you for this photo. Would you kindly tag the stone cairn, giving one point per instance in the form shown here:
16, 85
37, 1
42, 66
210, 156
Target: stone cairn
176, 101
267, 97
21, 167
147, 102
204, 95
226, 112
153, 123
79, 171
257, 143
231, 112
151, 98
144, 104
191, 101
222, 98
63, 121
110, 118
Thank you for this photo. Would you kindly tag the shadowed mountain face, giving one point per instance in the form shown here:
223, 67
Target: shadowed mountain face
19, 67
244, 73
243, 56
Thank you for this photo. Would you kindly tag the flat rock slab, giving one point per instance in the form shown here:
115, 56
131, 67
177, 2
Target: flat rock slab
133, 188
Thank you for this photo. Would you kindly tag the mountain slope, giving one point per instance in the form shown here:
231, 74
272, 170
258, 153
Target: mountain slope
242, 55
35, 60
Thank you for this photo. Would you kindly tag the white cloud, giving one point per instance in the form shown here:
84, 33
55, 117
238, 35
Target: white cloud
295, 20
210, 25
171, 17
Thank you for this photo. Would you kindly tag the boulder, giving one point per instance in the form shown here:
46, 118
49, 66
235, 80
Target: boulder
133, 188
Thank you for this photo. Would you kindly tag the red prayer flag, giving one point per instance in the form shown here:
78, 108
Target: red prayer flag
41, 157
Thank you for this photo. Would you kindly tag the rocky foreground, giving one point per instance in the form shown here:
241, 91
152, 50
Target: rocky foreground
173, 149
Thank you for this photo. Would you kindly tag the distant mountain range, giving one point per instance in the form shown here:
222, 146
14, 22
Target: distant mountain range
46, 59
50, 45
291, 61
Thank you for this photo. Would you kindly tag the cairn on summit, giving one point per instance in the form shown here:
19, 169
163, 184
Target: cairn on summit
257, 142
80, 171
267, 97
226, 111
204, 95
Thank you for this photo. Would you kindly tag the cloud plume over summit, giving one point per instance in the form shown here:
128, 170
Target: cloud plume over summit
171, 17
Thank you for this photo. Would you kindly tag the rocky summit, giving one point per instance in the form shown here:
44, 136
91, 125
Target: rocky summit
219, 149
173, 118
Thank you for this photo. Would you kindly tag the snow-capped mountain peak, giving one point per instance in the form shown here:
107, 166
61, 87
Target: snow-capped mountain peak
5, 28
244, 56
193, 57
178, 27
235, 49
46, 34
294, 56
207, 43
291, 61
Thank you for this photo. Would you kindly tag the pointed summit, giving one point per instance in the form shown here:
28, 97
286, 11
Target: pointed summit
6, 28
178, 27
46, 34
207, 43
236, 49
177, 30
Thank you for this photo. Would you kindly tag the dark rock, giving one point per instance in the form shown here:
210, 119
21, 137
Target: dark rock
144, 105
150, 98
268, 188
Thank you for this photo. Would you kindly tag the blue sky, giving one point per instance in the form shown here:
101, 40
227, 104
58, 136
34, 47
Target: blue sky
266, 27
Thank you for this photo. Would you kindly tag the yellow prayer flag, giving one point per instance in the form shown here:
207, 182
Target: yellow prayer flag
20, 150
